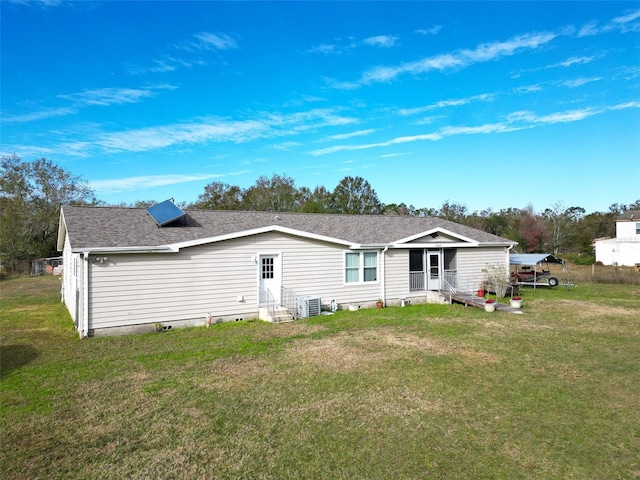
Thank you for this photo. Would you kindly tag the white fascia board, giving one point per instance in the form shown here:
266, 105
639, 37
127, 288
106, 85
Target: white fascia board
435, 245
258, 231
371, 246
62, 232
444, 231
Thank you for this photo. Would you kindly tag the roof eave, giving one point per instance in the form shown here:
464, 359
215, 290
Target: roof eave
257, 231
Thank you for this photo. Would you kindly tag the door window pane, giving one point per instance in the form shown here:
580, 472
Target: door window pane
267, 268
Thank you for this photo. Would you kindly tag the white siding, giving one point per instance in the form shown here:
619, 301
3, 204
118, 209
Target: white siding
627, 230
397, 267
618, 252
471, 262
137, 289
71, 281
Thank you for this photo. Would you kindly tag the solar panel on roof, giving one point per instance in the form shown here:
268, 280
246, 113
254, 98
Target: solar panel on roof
165, 212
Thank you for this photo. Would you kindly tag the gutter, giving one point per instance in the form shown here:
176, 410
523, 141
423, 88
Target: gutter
384, 277
84, 333
105, 250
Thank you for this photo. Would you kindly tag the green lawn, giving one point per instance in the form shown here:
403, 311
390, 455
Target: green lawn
427, 391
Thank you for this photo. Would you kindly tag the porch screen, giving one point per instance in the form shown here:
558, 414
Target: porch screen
415, 261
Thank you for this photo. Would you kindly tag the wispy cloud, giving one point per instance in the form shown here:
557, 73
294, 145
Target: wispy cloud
113, 96
385, 41
346, 45
485, 97
578, 82
187, 53
359, 133
528, 88
219, 41
327, 49
202, 131
391, 155
629, 22
39, 115
572, 61
563, 64
145, 182
429, 31
102, 97
515, 121
459, 59
40, 3
286, 146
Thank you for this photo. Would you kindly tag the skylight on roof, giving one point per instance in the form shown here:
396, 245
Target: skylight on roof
165, 212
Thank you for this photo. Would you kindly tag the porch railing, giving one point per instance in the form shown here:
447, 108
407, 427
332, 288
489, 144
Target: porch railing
416, 281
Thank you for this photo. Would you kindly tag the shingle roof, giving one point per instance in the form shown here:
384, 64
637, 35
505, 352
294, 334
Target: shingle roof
629, 216
117, 227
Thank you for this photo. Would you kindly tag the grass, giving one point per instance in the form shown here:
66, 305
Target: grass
427, 391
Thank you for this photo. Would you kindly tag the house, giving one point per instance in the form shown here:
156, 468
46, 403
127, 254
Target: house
624, 249
130, 270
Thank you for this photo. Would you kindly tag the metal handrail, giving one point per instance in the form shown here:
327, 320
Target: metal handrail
448, 287
267, 301
288, 298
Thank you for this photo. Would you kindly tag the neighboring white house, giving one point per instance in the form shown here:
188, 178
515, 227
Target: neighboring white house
126, 273
623, 250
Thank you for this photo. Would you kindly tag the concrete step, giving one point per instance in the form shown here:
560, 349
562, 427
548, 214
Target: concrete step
283, 315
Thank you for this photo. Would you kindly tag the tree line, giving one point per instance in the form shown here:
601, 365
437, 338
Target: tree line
31, 194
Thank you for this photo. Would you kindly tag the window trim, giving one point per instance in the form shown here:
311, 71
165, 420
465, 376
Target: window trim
361, 267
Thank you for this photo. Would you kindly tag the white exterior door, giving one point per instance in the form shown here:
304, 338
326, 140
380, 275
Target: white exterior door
434, 270
269, 277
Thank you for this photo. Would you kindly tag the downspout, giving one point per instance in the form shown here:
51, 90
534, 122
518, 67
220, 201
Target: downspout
509, 266
84, 333
508, 253
383, 276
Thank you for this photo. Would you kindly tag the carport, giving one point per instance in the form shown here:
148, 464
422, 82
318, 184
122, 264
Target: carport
529, 269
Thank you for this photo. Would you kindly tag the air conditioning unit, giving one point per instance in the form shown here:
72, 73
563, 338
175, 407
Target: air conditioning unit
308, 306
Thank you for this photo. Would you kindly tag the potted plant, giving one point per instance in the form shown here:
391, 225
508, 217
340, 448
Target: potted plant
516, 302
379, 303
490, 305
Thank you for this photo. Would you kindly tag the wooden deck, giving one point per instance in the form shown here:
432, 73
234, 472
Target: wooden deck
470, 300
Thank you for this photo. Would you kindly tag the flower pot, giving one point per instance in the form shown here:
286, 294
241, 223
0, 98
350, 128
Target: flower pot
378, 304
516, 303
489, 307
481, 293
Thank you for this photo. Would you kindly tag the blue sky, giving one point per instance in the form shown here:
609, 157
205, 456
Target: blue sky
485, 104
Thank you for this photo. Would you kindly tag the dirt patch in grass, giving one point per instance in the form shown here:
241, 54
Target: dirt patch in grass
289, 330
340, 353
348, 352
234, 373
593, 309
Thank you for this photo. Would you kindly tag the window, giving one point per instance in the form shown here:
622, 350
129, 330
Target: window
370, 266
361, 267
352, 267
638, 228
